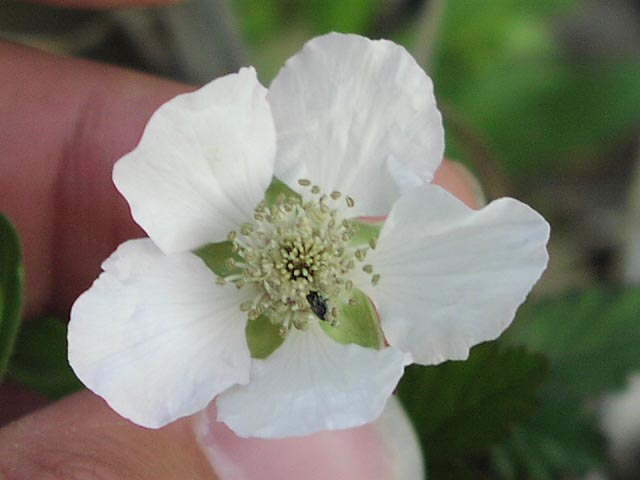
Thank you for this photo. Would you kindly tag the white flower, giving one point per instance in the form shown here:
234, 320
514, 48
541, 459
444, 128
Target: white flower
351, 125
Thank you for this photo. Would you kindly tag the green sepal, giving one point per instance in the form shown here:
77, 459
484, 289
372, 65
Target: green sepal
263, 337
357, 323
365, 231
40, 360
277, 188
215, 255
11, 288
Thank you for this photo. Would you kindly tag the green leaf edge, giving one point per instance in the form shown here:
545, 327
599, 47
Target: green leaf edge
50, 373
11, 290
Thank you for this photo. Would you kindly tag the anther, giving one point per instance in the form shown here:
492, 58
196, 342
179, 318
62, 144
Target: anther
246, 229
335, 195
350, 202
232, 236
315, 189
368, 268
375, 279
303, 182
373, 243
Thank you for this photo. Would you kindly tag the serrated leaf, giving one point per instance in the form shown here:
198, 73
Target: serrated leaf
11, 288
40, 358
263, 337
562, 439
357, 323
461, 409
591, 338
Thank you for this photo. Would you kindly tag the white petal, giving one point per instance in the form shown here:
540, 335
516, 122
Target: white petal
156, 337
202, 165
346, 106
450, 276
309, 384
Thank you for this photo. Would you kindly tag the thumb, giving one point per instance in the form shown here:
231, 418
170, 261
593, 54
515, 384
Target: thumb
80, 437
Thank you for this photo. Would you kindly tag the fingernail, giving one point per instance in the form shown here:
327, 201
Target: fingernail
385, 449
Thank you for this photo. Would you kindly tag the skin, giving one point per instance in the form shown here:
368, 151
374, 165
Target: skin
66, 122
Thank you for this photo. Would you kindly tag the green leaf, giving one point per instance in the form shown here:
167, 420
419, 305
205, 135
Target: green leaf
277, 188
357, 323
11, 288
263, 337
591, 338
561, 440
461, 409
40, 358
216, 256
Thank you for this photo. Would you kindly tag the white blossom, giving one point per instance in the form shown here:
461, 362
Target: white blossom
351, 126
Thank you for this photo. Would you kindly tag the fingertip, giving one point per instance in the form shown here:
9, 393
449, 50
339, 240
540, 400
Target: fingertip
384, 449
458, 180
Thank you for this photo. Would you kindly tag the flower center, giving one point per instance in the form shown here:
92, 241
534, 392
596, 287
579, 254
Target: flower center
297, 256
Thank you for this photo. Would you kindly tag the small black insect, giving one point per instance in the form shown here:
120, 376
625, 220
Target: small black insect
318, 305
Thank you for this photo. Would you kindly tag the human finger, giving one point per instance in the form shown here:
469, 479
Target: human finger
82, 438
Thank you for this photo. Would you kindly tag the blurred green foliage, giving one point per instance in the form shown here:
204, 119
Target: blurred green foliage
540, 108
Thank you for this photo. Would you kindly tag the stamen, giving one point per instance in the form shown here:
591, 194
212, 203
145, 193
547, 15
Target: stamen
297, 256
